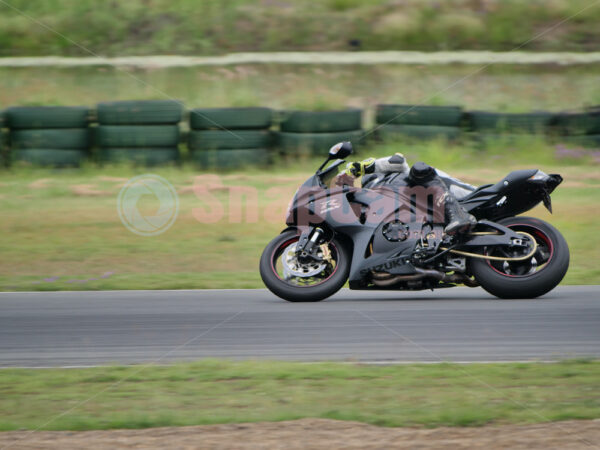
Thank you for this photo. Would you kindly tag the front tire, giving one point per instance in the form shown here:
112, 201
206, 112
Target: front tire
326, 283
530, 278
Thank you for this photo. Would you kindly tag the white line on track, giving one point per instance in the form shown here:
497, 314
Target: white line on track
337, 58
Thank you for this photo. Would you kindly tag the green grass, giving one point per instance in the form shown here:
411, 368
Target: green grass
62, 231
497, 88
214, 391
139, 27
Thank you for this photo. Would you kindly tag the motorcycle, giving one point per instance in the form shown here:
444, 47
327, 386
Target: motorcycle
389, 235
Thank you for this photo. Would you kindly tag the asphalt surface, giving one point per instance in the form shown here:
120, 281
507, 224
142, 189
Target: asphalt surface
459, 324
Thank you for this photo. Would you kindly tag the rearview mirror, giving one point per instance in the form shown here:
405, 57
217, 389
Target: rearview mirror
340, 150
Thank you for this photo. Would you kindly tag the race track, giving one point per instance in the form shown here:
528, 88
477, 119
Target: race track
460, 324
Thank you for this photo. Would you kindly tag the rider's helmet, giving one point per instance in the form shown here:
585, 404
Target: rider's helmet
421, 172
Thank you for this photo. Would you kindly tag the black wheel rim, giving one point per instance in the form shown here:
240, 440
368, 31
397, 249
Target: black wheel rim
528, 267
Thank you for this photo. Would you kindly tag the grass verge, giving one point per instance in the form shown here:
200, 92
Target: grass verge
519, 88
215, 391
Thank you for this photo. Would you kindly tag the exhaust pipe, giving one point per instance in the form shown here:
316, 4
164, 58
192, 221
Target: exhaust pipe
386, 279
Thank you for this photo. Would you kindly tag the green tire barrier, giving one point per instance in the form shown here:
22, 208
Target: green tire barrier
321, 121
230, 158
230, 118
65, 138
3, 147
3, 136
232, 139
49, 157
24, 117
418, 132
529, 123
137, 136
315, 143
140, 112
449, 116
142, 156
578, 123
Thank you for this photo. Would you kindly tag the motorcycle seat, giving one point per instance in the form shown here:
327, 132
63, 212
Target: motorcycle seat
483, 189
493, 189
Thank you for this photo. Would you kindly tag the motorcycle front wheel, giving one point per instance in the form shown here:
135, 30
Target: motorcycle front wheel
296, 281
529, 278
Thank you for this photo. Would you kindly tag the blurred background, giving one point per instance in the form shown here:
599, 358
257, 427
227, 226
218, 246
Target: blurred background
222, 97
93, 93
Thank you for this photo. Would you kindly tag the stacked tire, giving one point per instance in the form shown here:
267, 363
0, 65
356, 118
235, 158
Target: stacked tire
580, 129
230, 138
3, 141
143, 132
57, 136
418, 122
314, 132
493, 127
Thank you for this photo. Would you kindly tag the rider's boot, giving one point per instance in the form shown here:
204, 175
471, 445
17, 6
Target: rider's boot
458, 220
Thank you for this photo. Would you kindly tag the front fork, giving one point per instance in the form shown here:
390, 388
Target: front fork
308, 244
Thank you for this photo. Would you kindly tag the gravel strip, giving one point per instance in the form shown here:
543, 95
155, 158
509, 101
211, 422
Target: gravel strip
318, 434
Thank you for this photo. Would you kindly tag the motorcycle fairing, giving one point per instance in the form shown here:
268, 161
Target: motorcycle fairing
372, 250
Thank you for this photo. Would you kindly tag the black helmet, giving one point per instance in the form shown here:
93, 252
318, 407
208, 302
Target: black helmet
421, 172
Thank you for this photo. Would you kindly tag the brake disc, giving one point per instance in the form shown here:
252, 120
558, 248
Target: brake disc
293, 267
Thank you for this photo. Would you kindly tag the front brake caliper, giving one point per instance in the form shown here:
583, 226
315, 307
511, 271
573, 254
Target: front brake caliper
326, 252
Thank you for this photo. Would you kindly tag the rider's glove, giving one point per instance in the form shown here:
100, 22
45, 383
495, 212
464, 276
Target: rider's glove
358, 169
353, 169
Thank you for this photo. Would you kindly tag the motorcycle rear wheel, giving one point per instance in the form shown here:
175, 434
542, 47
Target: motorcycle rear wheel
319, 281
533, 277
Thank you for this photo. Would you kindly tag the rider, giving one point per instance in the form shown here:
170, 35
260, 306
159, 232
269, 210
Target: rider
457, 219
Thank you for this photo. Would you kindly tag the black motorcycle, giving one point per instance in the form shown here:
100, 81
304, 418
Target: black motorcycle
389, 235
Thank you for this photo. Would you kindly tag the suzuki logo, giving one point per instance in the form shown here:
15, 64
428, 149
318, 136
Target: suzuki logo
383, 267
330, 205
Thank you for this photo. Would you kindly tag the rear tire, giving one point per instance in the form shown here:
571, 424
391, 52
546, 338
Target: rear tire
293, 293
505, 284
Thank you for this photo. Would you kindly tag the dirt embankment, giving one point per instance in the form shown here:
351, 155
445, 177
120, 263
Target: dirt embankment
317, 434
